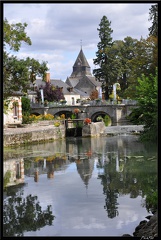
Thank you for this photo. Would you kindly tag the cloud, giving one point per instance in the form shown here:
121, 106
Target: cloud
56, 29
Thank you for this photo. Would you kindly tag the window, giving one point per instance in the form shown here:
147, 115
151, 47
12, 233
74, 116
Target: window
73, 102
15, 112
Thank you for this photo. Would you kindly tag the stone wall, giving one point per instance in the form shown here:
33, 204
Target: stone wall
93, 129
37, 134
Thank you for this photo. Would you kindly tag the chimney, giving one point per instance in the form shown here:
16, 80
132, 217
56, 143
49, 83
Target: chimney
47, 77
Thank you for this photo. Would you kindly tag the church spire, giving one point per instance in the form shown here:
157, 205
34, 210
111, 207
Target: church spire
81, 43
81, 66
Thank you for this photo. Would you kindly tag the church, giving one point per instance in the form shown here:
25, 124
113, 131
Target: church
81, 78
79, 85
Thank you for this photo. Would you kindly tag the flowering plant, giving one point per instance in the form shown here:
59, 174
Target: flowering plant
87, 120
76, 110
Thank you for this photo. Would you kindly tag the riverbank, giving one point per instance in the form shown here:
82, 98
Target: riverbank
147, 229
47, 132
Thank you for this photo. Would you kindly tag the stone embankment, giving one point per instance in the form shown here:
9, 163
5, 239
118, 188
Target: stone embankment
45, 132
124, 129
147, 229
31, 134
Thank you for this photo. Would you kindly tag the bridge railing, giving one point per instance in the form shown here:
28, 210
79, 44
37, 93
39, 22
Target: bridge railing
85, 103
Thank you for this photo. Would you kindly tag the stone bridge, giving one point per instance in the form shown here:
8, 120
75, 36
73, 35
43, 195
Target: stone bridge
116, 112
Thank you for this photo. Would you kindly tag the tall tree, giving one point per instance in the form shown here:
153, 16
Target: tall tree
18, 73
143, 60
153, 15
103, 59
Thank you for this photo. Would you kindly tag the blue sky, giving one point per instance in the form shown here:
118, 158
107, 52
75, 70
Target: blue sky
56, 29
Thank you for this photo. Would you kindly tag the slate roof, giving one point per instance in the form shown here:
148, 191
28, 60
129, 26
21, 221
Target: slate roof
82, 60
81, 66
72, 81
65, 86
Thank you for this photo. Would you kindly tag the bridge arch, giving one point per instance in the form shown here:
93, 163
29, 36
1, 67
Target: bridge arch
102, 114
66, 113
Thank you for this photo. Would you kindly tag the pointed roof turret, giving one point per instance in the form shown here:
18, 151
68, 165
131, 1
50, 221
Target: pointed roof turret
81, 60
81, 66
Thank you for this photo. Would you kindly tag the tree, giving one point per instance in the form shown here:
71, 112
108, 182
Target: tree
143, 60
94, 95
153, 15
18, 73
26, 108
146, 113
14, 35
103, 59
51, 93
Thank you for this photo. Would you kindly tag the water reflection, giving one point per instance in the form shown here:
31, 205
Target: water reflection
21, 214
109, 168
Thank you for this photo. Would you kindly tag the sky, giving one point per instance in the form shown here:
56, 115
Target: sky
59, 30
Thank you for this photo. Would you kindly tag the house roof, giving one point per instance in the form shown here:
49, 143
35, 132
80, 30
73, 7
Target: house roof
72, 81
67, 89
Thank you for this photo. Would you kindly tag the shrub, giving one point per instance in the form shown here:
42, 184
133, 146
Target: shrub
57, 124
106, 120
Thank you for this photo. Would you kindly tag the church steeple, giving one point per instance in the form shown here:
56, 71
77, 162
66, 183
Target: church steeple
81, 66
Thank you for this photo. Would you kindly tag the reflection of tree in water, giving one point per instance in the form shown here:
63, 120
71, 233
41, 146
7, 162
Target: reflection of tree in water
111, 196
135, 176
24, 214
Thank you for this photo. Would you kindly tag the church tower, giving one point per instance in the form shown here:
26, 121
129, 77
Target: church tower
81, 66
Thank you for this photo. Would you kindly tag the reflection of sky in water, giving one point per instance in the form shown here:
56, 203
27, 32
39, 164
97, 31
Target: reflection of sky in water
78, 208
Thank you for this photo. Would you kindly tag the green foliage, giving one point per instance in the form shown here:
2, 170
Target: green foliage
26, 108
125, 61
6, 106
146, 113
153, 15
18, 74
99, 118
73, 116
56, 124
151, 200
6, 179
14, 35
106, 120
103, 57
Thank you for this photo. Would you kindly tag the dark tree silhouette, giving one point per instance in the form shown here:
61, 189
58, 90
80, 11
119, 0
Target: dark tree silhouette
24, 214
51, 93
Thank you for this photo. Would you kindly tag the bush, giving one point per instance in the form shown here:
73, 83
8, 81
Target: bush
106, 120
57, 124
26, 109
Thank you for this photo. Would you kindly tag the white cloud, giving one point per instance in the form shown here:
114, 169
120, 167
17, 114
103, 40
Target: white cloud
57, 29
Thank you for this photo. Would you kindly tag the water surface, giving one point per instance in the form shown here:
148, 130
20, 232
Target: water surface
95, 187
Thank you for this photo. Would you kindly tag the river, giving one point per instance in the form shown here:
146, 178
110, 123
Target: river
78, 187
